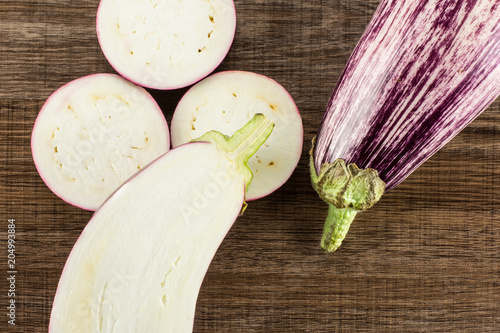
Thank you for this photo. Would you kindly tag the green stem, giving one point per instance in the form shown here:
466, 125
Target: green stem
336, 227
347, 190
243, 144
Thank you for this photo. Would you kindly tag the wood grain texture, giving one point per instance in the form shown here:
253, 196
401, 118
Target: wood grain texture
426, 258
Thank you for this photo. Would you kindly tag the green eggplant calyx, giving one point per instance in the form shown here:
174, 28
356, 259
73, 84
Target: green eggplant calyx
348, 190
346, 186
243, 144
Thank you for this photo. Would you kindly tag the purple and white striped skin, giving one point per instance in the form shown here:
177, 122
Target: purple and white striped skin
422, 71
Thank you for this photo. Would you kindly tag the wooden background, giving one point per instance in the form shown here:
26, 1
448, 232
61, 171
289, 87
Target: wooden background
426, 258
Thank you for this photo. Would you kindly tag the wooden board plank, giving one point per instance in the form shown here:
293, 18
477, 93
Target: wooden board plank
426, 258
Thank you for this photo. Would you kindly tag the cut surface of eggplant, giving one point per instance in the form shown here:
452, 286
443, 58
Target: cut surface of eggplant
165, 44
139, 263
226, 101
92, 134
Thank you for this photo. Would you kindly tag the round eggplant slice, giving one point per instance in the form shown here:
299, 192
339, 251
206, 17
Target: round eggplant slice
92, 134
165, 44
226, 101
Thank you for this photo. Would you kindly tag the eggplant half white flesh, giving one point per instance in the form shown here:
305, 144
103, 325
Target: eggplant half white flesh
139, 263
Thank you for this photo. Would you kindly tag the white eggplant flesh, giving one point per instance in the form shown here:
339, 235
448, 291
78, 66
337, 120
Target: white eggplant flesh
226, 101
92, 134
139, 263
165, 44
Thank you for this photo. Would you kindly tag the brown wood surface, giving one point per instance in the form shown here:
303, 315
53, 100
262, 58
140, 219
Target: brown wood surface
426, 258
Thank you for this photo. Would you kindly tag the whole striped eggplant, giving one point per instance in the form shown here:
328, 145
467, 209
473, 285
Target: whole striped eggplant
421, 72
